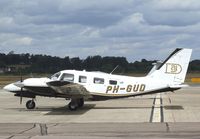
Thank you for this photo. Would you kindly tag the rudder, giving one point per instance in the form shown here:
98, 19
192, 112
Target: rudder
174, 68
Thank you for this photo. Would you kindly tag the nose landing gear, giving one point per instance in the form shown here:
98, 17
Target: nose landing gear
30, 104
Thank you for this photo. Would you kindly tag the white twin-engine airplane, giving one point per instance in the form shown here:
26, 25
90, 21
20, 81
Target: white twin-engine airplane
79, 86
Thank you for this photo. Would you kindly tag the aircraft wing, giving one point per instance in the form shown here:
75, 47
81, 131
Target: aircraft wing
68, 88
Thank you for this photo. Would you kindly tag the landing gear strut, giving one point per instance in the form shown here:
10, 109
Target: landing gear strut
30, 104
80, 102
75, 103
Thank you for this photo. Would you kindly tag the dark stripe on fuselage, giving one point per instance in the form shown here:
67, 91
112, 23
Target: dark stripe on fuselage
99, 97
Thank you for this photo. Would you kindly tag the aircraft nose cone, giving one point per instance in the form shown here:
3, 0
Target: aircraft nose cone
7, 87
11, 87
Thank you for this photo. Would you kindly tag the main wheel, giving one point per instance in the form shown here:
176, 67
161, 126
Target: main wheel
72, 107
30, 104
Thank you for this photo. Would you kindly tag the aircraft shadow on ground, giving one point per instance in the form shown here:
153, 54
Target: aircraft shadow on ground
167, 107
65, 111
57, 110
122, 107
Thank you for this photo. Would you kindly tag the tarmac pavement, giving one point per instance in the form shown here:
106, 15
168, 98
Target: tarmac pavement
166, 115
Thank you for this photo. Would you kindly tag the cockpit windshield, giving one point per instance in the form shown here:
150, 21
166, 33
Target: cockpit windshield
55, 76
67, 77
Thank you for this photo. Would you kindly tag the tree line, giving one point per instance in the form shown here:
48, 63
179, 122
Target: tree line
28, 63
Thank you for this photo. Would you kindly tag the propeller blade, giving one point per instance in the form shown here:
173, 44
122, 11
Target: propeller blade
20, 99
21, 95
21, 79
20, 84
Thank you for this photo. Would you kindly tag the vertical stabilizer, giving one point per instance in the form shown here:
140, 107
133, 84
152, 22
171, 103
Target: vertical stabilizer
174, 68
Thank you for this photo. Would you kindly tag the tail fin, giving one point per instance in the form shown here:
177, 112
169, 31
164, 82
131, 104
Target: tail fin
174, 68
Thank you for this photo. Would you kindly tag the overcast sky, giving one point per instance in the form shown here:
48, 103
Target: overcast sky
134, 29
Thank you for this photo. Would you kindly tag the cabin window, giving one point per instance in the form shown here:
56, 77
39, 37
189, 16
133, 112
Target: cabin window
98, 80
67, 77
112, 82
82, 79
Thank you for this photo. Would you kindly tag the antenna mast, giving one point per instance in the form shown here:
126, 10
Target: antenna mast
114, 69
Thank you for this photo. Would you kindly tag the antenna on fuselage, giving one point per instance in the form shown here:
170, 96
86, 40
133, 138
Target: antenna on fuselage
114, 69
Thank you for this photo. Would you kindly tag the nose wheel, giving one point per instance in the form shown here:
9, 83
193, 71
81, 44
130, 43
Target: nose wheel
30, 104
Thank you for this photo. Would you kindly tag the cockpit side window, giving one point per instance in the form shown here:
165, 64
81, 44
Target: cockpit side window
55, 76
82, 79
98, 80
67, 77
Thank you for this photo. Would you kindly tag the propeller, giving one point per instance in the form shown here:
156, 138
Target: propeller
21, 95
21, 86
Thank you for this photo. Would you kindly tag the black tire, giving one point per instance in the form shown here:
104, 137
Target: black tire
30, 104
80, 102
72, 107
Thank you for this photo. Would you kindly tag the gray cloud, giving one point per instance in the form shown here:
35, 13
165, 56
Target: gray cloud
135, 29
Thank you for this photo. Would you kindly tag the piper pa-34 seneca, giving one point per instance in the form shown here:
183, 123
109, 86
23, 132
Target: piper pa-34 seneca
79, 86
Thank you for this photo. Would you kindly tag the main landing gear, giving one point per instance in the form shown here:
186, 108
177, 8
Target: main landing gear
75, 103
30, 104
